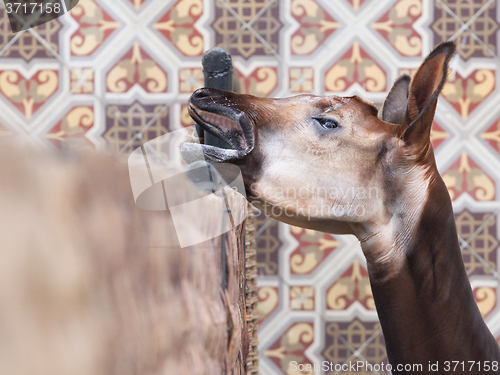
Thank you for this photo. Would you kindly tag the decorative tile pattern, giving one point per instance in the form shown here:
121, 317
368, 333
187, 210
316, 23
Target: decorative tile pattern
137, 3
261, 39
356, 334
465, 176
351, 287
492, 136
28, 94
177, 26
479, 230
190, 79
111, 77
292, 346
357, 4
95, 26
301, 80
466, 93
486, 299
186, 120
268, 302
476, 41
82, 81
268, 245
72, 128
27, 46
312, 249
438, 135
355, 66
261, 82
123, 124
396, 26
302, 298
316, 26
136, 67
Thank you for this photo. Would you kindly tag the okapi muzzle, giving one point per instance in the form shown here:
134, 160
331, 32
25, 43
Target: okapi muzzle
227, 116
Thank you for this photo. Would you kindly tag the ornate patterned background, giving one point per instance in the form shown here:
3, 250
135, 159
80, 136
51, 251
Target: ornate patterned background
116, 72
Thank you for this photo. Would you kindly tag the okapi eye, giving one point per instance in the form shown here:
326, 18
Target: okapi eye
327, 123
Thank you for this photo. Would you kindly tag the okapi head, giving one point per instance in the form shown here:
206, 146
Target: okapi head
329, 163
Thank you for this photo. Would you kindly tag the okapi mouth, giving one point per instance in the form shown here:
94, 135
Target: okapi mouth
218, 113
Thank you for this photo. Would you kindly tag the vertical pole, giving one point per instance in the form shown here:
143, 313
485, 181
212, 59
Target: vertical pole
218, 72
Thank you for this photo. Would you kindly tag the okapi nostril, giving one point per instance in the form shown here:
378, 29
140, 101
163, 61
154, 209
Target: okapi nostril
201, 93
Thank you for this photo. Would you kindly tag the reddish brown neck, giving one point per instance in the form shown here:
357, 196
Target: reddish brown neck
425, 302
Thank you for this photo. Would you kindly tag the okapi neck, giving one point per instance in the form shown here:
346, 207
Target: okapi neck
424, 300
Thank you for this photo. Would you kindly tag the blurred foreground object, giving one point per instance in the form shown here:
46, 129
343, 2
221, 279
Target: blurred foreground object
90, 284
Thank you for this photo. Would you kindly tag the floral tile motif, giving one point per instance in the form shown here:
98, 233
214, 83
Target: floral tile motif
28, 94
481, 257
123, 122
177, 26
72, 128
486, 299
302, 298
262, 39
316, 26
466, 176
396, 27
484, 27
261, 82
492, 136
190, 79
291, 346
466, 93
301, 80
136, 67
82, 81
314, 247
352, 286
268, 302
96, 26
27, 46
356, 65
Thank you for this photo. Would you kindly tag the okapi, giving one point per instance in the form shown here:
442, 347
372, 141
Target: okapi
320, 146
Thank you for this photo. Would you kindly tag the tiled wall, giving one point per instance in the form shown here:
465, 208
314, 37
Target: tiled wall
117, 72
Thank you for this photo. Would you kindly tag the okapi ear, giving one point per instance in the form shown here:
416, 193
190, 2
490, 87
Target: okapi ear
425, 88
394, 108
